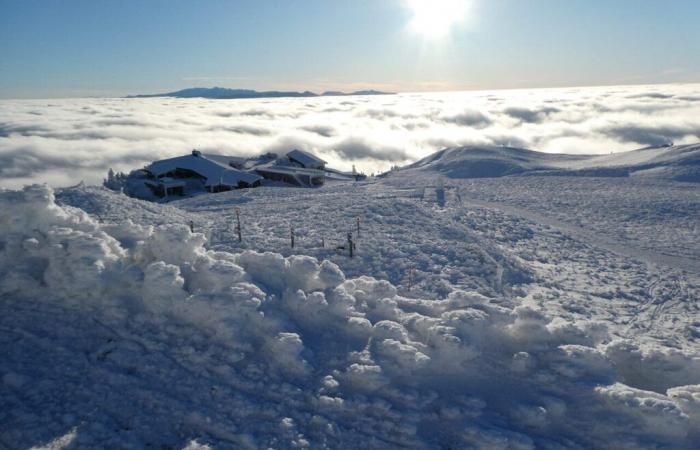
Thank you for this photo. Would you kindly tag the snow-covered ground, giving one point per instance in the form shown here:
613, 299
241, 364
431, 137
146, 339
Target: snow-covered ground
530, 311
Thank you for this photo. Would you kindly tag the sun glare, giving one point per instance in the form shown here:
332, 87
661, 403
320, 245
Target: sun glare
435, 18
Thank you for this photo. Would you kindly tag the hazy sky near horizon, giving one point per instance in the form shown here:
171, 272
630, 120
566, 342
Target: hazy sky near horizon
76, 48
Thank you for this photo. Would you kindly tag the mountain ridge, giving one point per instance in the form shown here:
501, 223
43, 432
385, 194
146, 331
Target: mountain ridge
220, 93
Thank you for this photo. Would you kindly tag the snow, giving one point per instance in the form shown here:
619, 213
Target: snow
680, 163
488, 161
523, 325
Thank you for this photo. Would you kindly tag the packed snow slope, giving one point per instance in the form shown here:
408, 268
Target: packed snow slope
680, 163
515, 313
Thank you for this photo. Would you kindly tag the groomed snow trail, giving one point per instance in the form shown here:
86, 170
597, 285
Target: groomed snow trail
654, 258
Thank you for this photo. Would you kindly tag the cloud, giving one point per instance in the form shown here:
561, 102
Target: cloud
530, 115
509, 141
241, 129
653, 136
653, 95
65, 141
122, 123
286, 143
356, 149
321, 130
27, 160
469, 118
413, 125
8, 129
380, 113
255, 112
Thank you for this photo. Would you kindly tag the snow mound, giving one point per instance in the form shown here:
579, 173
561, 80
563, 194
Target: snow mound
135, 336
679, 163
485, 161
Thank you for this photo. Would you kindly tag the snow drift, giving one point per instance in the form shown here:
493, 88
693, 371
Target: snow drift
138, 336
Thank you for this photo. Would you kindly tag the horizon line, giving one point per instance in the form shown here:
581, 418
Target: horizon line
397, 92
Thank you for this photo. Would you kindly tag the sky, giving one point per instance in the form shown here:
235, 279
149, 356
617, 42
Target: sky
99, 48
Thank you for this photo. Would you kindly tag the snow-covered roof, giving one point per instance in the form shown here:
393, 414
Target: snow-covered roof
224, 159
305, 158
214, 172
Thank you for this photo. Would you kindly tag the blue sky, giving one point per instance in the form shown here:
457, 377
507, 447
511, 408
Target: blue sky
104, 48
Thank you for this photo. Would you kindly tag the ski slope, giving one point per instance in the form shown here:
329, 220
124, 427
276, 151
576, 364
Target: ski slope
527, 311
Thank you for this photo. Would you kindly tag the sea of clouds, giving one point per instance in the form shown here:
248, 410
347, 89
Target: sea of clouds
65, 141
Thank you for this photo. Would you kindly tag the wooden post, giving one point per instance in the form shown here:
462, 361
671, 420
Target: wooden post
358, 225
238, 224
323, 242
351, 244
291, 235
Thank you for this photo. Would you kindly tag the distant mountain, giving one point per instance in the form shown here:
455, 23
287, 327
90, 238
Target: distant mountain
225, 93
365, 92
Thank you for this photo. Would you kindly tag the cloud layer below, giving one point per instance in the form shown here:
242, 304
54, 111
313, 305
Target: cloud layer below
62, 142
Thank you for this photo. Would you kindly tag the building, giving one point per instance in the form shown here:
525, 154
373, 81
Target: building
198, 172
174, 176
166, 186
297, 167
305, 160
292, 175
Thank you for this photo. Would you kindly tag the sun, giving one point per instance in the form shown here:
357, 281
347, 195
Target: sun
435, 18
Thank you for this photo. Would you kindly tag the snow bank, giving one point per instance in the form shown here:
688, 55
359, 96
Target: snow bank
257, 350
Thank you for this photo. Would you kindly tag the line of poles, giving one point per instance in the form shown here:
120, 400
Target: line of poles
351, 244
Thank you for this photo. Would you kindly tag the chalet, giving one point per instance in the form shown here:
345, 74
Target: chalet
298, 168
306, 160
217, 173
296, 176
175, 175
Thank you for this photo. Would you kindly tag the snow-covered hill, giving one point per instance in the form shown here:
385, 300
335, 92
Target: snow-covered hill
516, 312
680, 163
487, 161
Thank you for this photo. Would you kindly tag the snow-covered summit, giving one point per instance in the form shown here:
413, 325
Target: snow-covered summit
681, 163
487, 161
